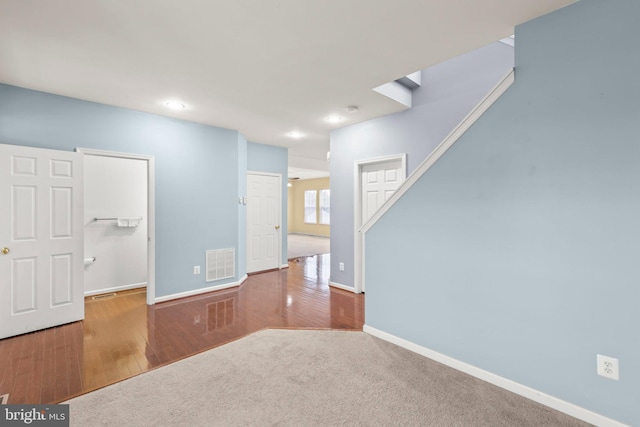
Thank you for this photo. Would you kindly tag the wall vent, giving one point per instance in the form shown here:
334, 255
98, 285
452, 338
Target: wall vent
221, 264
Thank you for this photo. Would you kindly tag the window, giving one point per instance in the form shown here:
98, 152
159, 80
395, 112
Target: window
310, 216
325, 215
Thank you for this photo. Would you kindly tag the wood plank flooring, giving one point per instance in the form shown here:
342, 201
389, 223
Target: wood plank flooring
121, 336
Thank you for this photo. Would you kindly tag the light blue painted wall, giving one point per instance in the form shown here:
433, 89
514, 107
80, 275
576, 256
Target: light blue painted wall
241, 256
197, 171
518, 251
448, 93
271, 159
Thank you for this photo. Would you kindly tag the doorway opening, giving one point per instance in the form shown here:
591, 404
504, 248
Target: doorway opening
309, 225
119, 221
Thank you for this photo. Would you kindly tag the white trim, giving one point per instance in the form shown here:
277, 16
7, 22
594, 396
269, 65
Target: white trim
284, 266
281, 229
116, 289
151, 211
507, 384
201, 290
397, 92
509, 41
358, 237
118, 154
451, 139
343, 287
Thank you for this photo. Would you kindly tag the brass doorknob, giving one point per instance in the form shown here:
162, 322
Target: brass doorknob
277, 227
5, 251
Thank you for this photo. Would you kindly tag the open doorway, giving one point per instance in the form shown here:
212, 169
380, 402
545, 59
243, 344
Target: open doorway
309, 228
119, 225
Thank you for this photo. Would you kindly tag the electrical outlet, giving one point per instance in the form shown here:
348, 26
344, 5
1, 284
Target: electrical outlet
341, 266
196, 269
608, 367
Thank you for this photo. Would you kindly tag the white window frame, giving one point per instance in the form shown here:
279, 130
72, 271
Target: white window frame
315, 206
320, 206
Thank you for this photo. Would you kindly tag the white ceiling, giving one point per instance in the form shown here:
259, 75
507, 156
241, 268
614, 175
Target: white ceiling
263, 67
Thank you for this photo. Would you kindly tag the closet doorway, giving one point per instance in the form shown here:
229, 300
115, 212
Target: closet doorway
119, 226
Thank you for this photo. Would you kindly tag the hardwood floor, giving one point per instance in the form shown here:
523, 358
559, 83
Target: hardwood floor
121, 336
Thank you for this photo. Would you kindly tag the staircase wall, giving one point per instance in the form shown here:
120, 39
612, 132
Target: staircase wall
518, 251
448, 92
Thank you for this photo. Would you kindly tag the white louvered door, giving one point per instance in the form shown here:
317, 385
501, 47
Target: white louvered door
41, 236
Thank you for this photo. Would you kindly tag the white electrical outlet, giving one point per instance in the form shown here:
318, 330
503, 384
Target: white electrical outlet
196, 269
608, 367
341, 266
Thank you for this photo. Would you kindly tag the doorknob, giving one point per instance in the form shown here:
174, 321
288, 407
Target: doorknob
5, 251
277, 227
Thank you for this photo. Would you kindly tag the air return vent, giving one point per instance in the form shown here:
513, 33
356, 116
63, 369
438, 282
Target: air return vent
221, 264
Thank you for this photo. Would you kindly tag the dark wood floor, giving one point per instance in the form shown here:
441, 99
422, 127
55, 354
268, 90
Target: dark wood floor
122, 337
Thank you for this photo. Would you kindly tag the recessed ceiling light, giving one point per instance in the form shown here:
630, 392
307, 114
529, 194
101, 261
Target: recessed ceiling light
295, 134
175, 105
334, 118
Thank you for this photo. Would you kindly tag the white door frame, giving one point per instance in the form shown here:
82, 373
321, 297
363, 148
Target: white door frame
279, 176
358, 238
151, 213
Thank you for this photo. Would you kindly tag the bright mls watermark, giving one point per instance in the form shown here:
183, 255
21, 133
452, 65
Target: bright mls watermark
34, 415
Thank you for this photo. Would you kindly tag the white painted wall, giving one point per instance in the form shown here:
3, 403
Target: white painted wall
114, 187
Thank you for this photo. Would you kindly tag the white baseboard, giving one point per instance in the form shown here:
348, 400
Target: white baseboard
284, 266
201, 290
514, 387
116, 289
343, 287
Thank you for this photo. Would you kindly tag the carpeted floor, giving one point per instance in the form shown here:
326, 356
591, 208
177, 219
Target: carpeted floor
301, 245
308, 378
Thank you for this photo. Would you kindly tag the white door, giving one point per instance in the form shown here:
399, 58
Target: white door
41, 236
263, 222
379, 182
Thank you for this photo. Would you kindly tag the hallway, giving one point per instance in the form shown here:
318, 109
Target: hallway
122, 337
304, 245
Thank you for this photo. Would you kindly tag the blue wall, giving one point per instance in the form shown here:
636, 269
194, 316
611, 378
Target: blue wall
520, 247
267, 158
200, 172
242, 209
448, 93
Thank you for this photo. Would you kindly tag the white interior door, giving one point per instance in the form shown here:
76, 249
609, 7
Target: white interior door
263, 221
376, 181
41, 235
379, 182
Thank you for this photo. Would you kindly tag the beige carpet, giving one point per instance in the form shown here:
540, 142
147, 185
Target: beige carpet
308, 378
301, 245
